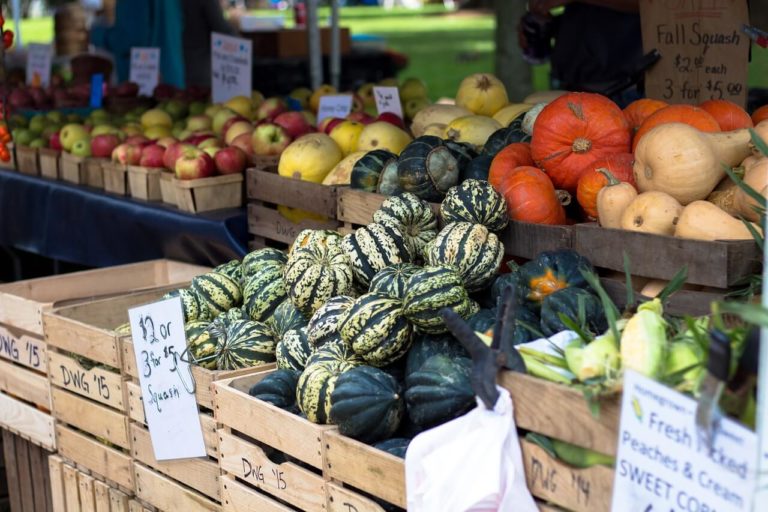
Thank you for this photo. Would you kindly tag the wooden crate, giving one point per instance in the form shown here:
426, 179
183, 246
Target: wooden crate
250, 429
49, 163
267, 190
168, 188
26, 469
94, 172
206, 194
74, 489
97, 457
166, 494
239, 497
145, 182
716, 264
71, 168
525, 240
116, 178
356, 207
28, 160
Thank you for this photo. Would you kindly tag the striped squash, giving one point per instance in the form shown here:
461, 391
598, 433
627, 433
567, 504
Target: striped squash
411, 216
316, 273
232, 269
374, 247
190, 304
264, 292
376, 329
428, 291
293, 350
475, 201
256, 260
217, 292
285, 318
391, 280
201, 346
245, 344
324, 324
307, 237
471, 249
318, 380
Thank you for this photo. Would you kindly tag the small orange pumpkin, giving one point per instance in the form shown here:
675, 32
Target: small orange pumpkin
687, 114
639, 110
531, 197
760, 115
575, 130
728, 115
594, 178
515, 155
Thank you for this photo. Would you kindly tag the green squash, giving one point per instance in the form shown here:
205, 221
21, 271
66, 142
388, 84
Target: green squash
431, 289
244, 344
428, 345
482, 321
279, 389
471, 249
475, 201
293, 350
427, 168
232, 269
315, 273
256, 260
372, 248
391, 280
367, 171
396, 446
263, 292
477, 169
503, 137
190, 304
389, 181
367, 404
285, 318
549, 272
412, 217
566, 302
309, 237
324, 324
439, 391
217, 292
463, 152
201, 346
376, 329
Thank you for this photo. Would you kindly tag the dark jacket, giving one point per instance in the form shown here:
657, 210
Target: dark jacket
201, 18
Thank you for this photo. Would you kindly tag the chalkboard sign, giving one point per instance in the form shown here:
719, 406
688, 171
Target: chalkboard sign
704, 53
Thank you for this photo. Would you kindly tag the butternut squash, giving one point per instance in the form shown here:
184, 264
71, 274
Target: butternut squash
756, 176
723, 196
612, 200
652, 212
685, 163
702, 220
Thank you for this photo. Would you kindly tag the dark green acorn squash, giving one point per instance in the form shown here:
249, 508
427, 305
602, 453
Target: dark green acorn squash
549, 272
427, 168
503, 137
279, 389
483, 320
396, 446
391, 280
475, 201
389, 181
566, 301
367, 171
367, 404
428, 345
477, 169
439, 391
463, 152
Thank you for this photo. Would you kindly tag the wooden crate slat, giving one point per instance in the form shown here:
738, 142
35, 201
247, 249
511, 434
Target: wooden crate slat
237, 497
38, 466
26, 489
87, 496
91, 417
101, 496
84, 340
55, 470
165, 494
23, 349
293, 193
71, 488
288, 482
28, 421
97, 457
527, 240
200, 474
270, 224
118, 500
99, 384
12, 470
683, 302
341, 499
25, 384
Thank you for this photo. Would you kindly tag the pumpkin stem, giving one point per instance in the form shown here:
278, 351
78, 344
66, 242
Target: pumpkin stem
564, 197
581, 145
612, 180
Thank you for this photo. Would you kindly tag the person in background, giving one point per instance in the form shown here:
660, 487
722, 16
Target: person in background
201, 18
597, 43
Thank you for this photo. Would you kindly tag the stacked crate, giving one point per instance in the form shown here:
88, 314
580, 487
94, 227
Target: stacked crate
76, 490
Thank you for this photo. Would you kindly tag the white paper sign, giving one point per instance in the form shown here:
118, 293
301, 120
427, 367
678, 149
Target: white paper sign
334, 105
388, 100
39, 58
145, 69
661, 466
231, 59
166, 382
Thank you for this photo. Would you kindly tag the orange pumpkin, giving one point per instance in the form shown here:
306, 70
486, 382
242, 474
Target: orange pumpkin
592, 180
688, 114
760, 115
639, 110
515, 155
531, 197
728, 115
575, 130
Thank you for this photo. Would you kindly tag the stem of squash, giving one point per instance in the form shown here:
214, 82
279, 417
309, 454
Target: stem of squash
581, 145
564, 197
612, 180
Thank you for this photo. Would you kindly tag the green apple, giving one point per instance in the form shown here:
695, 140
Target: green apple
181, 134
37, 123
176, 108
196, 108
55, 116
81, 148
38, 143
104, 129
212, 110
221, 117
23, 136
72, 133
100, 115
132, 117
18, 121
180, 124
412, 88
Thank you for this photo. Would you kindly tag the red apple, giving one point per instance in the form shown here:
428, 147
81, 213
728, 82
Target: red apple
137, 140
230, 160
196, 138
236, 129
193, 164
391, 118
229, 122
152, 156
54, 142
244, 142
271, 108
294, 124
269, 139
103, 145
361, 117
172, 153
128, 154
329, 123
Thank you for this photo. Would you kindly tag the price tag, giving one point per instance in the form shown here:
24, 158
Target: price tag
388, 100
662, 466
231, 59
337, 105
166, 381
145, 69
39, 58
703, 50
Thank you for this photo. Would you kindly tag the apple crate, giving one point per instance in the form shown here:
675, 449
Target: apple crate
267, 163
254, 435
145, 182
267, 191
72, 169
75, 489
205, 194
49, 163
168, 188
94, 172
28, 161
116, 178
25, 390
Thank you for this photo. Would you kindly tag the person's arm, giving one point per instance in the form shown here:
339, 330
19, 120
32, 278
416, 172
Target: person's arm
542, 7
215, 18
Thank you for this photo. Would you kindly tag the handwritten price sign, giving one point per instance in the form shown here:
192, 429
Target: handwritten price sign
336, 105
231, 59
145, 69
39, 58
167, 387
388, 100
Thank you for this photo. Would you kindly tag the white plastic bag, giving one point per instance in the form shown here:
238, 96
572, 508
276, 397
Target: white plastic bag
470, 464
